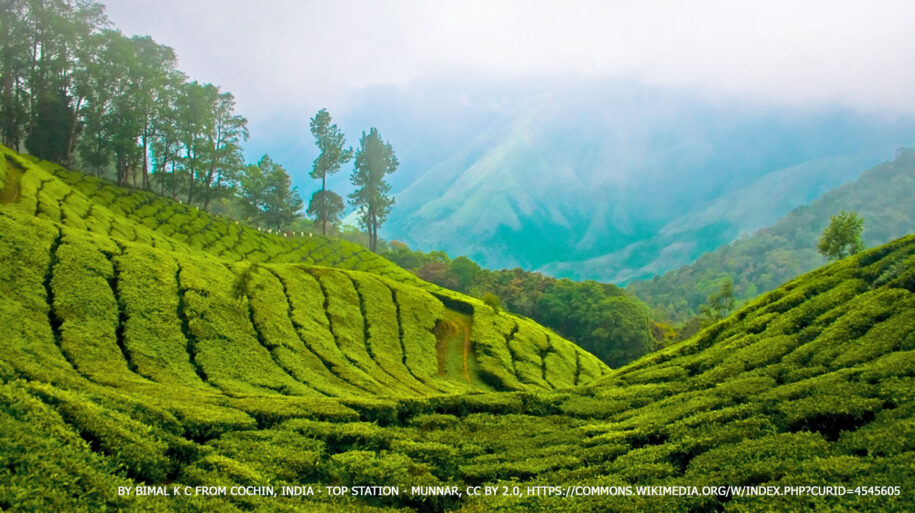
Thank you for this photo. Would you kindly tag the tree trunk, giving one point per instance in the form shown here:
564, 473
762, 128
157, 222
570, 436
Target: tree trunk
207, 187
190, 186
71, 139
8, 102
373, 231
324, 204
190, 174
145, 156
174, 181
164, 167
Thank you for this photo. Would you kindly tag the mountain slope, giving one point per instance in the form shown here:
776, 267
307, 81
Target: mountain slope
809, 385
719, 222
565, 174
758, 263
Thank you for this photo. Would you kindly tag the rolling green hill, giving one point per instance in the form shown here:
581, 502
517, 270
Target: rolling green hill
134, 282
771, 256
133, 355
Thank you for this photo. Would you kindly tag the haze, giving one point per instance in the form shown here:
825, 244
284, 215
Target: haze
277, 55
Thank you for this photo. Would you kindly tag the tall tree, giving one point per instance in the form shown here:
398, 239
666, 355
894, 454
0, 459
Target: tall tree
42, 47
224, 160
330, 142
210, 133
16, 36
154, 65
53, 122
193, 123
842, 237
374, 159
267, 196
124, 117
102, 68
166, 145
88, 18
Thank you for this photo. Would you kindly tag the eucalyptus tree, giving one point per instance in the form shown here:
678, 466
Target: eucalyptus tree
192, 126
165, 144
125, 115
15, 55
374, 159
223, 147
210, 133
56, 32
101, 67
86, 21
154, 64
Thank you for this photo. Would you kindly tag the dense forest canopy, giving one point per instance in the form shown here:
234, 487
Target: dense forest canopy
78, 92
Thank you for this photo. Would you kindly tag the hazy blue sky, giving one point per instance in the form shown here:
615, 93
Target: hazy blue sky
276, 55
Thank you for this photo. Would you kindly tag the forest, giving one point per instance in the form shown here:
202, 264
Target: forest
78, 92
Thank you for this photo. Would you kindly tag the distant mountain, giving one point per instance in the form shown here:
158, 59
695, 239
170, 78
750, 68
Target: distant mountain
759, 263
715, 223
610, 181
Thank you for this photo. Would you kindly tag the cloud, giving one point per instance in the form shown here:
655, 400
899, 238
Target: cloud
280, 54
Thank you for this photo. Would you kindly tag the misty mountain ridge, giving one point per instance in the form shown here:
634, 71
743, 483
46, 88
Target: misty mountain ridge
618, 181
608, 180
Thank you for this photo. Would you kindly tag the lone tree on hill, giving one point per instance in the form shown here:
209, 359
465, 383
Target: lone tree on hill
329, 139
719, 303
842, 237
374, 159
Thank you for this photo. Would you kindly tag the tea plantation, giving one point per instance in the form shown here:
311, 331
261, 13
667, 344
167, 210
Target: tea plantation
145, 343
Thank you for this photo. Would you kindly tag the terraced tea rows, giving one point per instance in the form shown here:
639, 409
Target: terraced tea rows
302, 329
126, 364
87, 203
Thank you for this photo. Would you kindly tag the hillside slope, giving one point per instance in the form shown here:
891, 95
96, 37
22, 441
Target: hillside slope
771, 256
721, 221
140, 289
568, 172
809, 385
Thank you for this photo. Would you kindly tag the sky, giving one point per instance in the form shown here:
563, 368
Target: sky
285, 59
277, 54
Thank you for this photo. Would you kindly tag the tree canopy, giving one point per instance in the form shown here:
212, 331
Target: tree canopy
76, 91
330, 142
270, 200
374, 159
842, 237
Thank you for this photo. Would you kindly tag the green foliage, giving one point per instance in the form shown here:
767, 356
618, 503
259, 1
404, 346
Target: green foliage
842, 237
325, 207
330, 142
149, 343
268, 199
492, 301
53, 123
719, 303
774, 255
600, 317
374, 159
